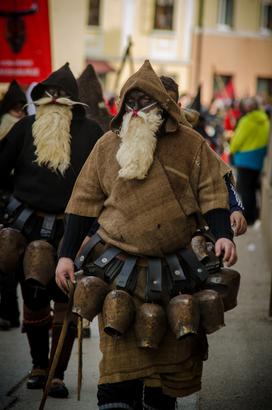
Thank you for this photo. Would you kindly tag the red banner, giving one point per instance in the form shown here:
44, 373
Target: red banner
25, 53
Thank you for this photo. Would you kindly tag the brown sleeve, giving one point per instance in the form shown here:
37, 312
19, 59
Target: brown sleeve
87, 198
225, 169
211, 188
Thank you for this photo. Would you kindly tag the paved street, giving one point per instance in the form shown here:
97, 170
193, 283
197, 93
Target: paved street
238, 374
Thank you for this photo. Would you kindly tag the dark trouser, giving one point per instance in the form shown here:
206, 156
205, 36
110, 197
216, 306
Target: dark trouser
37, 323
37, 319
38, 339
9, 309
248, 183
133, 395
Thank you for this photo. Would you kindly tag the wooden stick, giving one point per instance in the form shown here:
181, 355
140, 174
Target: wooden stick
80, 363
58, 351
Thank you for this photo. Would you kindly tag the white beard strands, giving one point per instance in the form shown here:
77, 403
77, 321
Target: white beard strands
138, 143
7, 122
59, 101
51, 134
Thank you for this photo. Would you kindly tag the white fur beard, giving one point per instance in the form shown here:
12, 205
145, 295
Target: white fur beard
7, 122
138, 143
51, 133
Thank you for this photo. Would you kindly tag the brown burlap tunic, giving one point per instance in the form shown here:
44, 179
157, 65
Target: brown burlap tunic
151, 217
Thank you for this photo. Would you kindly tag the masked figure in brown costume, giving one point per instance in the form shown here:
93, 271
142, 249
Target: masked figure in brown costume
46, 153
144, 181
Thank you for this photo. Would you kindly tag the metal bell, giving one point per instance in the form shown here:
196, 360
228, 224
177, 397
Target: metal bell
150, 325
226, 282
118, 312
89, 297
199, 246
211, 310
12, 247
183, 315
39, 262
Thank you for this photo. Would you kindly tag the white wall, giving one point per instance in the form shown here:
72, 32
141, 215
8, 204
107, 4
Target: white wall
67, 26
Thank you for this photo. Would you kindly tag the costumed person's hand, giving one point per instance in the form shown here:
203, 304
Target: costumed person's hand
64, 273
226, 248
238, 223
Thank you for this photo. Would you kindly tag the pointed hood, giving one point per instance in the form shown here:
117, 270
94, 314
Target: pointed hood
13, 95
64, 78
146, 80
90, 93
196, 104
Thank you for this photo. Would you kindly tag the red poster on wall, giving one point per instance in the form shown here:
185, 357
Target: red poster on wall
25, 53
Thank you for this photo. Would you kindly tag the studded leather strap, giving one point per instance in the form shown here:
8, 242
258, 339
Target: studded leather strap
80, 259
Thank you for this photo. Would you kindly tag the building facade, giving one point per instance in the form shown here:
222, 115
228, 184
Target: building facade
232, 43
210, 42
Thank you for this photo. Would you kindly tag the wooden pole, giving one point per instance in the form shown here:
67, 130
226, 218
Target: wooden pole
199, 44
127, 54
80, 363
66, 322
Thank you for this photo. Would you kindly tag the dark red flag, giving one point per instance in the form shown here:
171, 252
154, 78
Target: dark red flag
25, 53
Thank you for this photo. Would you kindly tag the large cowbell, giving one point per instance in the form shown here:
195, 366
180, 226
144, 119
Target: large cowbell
183, 315
211, 310
12, 247
39, 262
118, 312
89, 297
226, 282
150, 325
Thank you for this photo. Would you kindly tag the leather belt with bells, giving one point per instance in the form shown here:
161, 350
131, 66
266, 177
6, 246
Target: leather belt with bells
154, 280
176, 271
80, 259
126, 279
198, 269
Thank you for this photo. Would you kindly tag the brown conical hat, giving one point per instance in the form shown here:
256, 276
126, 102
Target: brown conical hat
90, 93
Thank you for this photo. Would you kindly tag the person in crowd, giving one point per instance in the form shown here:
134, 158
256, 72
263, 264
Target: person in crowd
11, 111
232, 116
46, 152
11, 108
111, 104
144, 181
91, 93
248, 148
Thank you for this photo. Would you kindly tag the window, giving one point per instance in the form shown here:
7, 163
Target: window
266, 15
164, 11
94, 8
225, 13
264, 87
